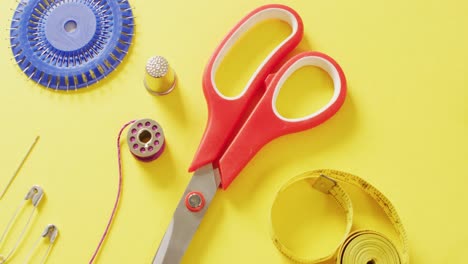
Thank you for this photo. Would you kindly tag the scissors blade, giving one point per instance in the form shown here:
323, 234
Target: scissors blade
185, 223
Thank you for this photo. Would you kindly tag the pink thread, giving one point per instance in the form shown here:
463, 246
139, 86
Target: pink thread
119, 191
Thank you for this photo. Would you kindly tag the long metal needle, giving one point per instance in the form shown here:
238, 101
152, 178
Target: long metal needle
19, 167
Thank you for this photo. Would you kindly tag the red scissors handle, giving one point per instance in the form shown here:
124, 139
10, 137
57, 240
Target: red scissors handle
265, 123
225, 113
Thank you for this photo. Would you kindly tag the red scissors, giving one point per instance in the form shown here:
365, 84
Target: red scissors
231, 140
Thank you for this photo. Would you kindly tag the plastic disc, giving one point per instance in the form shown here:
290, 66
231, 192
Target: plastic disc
70, 44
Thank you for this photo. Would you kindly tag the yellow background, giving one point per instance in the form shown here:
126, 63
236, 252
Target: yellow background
403, 128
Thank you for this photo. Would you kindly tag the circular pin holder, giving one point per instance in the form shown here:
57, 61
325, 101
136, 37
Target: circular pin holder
70, 44
146, 140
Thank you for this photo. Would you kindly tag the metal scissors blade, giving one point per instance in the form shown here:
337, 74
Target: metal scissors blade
188, 215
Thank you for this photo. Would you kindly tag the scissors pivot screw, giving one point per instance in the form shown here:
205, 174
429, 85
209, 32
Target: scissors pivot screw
195, 201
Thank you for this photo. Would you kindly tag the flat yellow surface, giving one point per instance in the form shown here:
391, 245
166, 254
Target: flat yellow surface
403, 128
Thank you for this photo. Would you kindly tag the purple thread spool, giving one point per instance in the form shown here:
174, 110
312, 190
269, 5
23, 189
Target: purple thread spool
146, 140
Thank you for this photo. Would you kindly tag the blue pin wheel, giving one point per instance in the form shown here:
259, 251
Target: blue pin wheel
70, 44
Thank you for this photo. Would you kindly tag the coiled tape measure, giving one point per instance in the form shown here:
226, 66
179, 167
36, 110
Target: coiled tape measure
359, 247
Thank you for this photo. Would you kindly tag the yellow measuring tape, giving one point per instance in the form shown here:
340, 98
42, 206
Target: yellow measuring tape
362, 246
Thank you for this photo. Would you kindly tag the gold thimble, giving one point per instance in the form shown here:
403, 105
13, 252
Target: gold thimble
160, 78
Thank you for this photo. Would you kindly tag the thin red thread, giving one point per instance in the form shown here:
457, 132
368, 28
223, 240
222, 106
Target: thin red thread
119, 191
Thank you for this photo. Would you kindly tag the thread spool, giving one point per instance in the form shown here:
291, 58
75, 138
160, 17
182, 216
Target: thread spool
160, 78
146, 139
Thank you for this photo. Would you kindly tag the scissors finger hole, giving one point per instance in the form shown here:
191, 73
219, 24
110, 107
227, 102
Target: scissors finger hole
304, 92
322, 62
247, 54
251, 45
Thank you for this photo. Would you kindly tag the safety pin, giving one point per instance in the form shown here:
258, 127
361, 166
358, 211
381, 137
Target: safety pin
51, 232
34, 195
